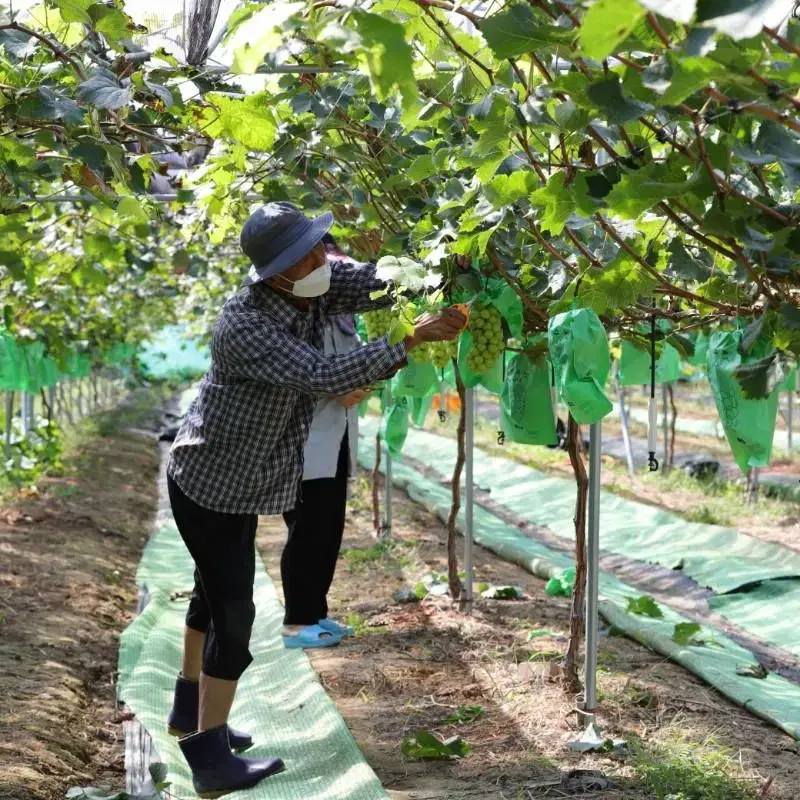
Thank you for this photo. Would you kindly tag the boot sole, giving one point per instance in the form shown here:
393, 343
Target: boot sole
213, 795
180, 734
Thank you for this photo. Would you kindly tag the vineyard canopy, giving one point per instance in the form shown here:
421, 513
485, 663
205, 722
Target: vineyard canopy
618, 156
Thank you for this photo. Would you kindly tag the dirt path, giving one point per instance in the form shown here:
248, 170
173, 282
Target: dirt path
410, 666
68, 556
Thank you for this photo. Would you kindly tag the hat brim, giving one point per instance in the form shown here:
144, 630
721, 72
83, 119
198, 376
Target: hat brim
294, 253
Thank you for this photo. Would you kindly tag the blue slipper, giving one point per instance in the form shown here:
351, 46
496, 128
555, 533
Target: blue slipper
312, 636
336, 628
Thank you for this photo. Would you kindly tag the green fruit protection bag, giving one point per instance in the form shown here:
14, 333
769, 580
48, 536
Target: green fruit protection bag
394, 428
10, 364
420, 406
634, 364
668, 366
634, 361
416, 379
581, 359
33, 355
526, 410
749, 424
790, 383
491, 379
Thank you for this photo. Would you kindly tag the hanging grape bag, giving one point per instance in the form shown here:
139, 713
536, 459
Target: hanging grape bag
526, 411
700, 355
33, 354
416, 379
420, 406
668, 366
634, 364
581, 360
394, 427
10, 364
749, 424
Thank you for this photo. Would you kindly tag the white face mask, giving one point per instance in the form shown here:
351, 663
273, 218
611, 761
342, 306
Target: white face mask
314, 284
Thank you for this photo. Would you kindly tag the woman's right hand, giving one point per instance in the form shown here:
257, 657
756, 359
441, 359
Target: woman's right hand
444, 325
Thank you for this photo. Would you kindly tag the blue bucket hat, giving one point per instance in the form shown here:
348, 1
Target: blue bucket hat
278, 235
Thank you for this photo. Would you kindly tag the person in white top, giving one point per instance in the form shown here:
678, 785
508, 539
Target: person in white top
316, 523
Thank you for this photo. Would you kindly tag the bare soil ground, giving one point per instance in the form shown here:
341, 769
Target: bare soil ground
68, 556
410, 666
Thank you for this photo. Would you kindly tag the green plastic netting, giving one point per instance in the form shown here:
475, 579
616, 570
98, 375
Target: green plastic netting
280, 700
722, 559
775, 699
173, 353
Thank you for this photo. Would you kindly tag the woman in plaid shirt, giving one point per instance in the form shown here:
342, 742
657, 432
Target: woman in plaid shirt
239, 453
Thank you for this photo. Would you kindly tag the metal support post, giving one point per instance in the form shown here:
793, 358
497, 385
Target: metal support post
80, 397
789, 410
591, 738
592, 572
9, 423
469, 416
665, 423
626, 436
23, 414
51, 403
387, 500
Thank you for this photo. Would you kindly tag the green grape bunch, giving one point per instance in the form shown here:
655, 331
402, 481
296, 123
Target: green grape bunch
441, 353
378, 322
486, 327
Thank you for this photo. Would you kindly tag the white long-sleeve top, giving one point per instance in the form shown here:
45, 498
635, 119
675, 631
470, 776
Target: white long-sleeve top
321, 453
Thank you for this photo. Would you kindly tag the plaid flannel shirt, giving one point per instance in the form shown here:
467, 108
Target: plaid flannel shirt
240, 447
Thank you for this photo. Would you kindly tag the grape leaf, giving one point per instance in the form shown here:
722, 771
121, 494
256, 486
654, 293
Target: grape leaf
790, 316
685, 632
688, 76
111, 22
75, 10
741, 19
683, 265
252, 41
104, 90
505, 190
388, 56
420, 168
644, 188
249, 121
606, 25
617, 109
13, 263
131, 208
44, 103
758, 379
644, 606
424, 745
752, 334
516, 31
569, 117
658, 75
679, 10
619, 284
683, 344
557, 203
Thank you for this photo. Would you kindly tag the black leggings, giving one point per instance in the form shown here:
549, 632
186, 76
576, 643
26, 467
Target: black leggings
223, 547
316, 525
